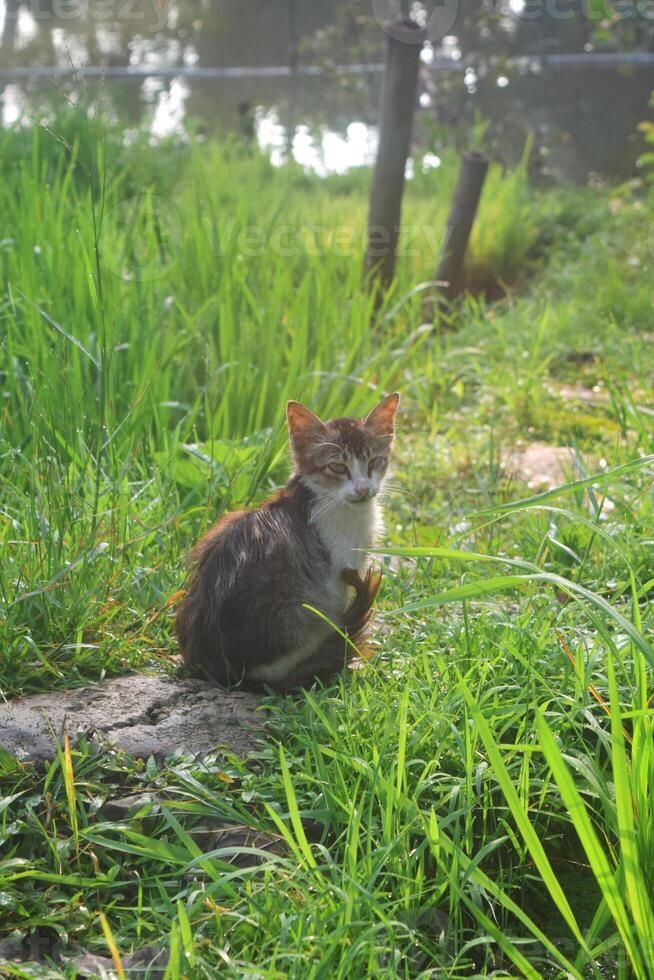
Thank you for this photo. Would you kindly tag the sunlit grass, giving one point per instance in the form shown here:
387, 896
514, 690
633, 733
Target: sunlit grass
476, 799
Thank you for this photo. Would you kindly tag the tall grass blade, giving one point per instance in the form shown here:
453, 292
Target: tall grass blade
522, 820
71, 795
606, 876
294, 812
626, 803
113, 948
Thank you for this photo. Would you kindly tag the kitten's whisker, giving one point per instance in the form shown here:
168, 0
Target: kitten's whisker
324, 504
320, 508
389, 489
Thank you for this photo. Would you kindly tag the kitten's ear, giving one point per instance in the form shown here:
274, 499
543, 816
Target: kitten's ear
303, 425
382, 418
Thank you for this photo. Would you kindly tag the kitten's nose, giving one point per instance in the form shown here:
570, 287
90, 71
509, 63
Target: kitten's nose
362, 486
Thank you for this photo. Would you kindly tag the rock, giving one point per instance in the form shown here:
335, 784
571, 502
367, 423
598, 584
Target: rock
122, 807
581, 357
149, 961
141, 715
230, 839
12, 950
540, 466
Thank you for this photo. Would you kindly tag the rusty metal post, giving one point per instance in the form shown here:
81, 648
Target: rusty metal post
398, 102
459, 224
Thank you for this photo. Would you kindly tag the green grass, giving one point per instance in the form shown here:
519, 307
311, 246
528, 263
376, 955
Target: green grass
477, 799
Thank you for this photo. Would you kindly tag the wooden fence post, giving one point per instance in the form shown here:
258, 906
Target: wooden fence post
398, 101
459, 224
293, 47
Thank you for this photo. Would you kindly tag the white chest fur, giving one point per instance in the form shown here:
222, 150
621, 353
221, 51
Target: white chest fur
347, 531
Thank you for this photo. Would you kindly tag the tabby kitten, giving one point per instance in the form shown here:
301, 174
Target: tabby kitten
243, 620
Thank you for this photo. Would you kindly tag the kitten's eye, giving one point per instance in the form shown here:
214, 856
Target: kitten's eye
377, 463
338, 468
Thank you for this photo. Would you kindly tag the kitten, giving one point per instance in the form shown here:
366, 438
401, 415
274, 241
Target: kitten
243, 620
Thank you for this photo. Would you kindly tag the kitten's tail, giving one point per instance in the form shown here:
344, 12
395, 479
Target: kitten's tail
358, 613
335, 653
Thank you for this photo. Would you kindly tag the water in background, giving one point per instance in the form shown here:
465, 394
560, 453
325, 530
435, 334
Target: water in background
487, 74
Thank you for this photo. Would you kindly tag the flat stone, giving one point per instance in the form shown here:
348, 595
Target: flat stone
581, 393
140, 714
540, 466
